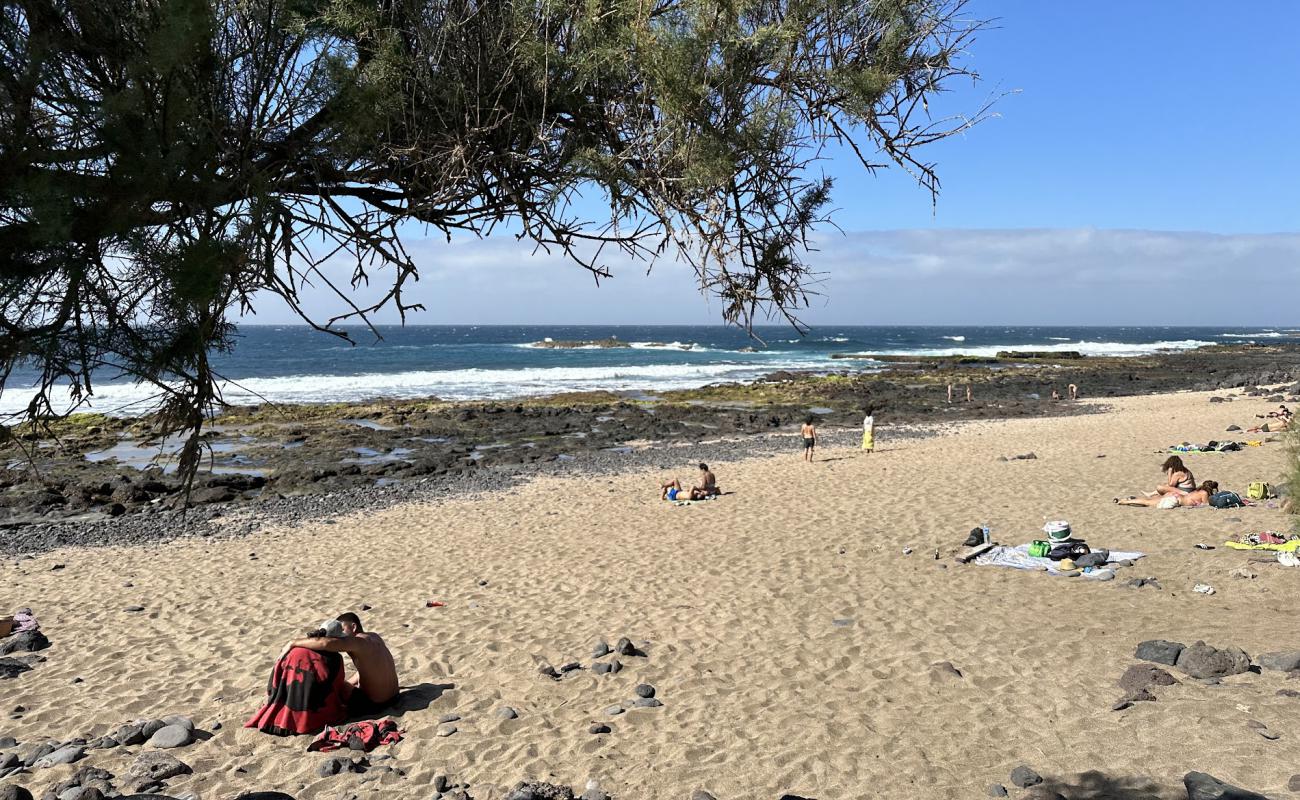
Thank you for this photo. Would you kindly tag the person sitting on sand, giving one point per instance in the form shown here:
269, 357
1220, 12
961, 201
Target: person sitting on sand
375, 684
307, 689
1178, 478
708, 486
1192, 499
1278, 421
809, 434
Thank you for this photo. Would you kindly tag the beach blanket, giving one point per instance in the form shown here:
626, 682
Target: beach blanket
1018, 558
24, 620
306, 692
365, 735
1264, 540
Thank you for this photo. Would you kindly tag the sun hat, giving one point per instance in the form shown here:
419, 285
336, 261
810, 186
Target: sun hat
333, 629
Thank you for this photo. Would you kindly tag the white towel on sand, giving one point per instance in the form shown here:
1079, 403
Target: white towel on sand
1019, 558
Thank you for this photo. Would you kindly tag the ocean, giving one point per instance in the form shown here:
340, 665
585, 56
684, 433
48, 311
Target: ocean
294, 364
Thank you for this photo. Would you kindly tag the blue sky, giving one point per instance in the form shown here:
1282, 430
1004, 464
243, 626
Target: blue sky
1142, 171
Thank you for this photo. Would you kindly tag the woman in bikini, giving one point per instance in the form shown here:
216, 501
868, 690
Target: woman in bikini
1199, 497
1178, 479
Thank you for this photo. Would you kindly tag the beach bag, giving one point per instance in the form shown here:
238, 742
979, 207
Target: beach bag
1258, 490
1226, 500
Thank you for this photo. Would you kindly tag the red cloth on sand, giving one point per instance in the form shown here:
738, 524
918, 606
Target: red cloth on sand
306, 692
365, 735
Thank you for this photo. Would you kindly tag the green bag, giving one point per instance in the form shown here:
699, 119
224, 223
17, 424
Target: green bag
1258, 490
1039, 548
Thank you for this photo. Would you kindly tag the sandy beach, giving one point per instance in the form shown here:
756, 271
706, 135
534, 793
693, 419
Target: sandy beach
791, 640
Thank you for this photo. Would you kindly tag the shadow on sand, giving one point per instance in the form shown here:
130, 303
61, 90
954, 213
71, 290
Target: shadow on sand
1094, 785
412, 698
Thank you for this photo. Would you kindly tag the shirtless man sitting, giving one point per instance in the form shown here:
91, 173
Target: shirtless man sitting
708, 484
375, 681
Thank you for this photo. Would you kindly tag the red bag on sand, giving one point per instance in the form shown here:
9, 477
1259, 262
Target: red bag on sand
306, 692
365, 735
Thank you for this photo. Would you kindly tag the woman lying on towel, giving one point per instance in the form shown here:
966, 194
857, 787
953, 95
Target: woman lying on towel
307, 690
1193, 499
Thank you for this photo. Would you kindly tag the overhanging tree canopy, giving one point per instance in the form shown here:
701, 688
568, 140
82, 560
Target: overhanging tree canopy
163, 161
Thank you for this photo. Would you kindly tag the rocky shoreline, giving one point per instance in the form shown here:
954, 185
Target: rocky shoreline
93, 480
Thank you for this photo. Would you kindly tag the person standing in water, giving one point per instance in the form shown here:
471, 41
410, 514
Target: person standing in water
869, 430
809, 434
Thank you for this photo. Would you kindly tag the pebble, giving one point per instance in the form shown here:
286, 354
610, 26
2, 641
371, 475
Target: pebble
170, 736
445, 718
997, 790
1023, 777
506, 712
646, 702
133, 609
571, 666
614, 711
644, 690
1159, 651
600, 650
1282, 662
13, 792
599, 728
548, 671
445, 730
700, 794
1293, 784
1201, 786
155, 766
63, 755
626, 648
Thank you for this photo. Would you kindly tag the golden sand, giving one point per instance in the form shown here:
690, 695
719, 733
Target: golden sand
737, 601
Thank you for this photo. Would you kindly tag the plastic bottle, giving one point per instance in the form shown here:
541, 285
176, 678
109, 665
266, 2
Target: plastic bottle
984, 529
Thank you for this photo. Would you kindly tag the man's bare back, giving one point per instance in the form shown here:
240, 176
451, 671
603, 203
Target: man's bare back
376, 671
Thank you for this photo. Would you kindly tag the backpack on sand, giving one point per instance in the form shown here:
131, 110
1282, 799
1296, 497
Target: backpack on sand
1258, 490
1226, 500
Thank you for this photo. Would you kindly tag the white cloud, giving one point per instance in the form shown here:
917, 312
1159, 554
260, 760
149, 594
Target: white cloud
1034, 276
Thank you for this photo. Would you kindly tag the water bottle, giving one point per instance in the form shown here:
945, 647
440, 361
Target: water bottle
984, 529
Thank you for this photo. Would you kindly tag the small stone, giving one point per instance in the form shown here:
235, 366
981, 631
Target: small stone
946, 668
332, 766
571, 666
152, 765
1200, 786
170, 736
997, 790
1159, 651
63, 755
1293, 784
700, 794
441, 784
599, 728
842, 622
506, 712
7, 741
600, 650
548, 671
445, 730
133, 609
614, 711
1141, 677
646, 702
13, 792
445, 718
644, 690
78, 679
601, 668
150, 727
1282, 662
214, 725
1202, 661
177, 719
626, 648
482, 583
1023, 777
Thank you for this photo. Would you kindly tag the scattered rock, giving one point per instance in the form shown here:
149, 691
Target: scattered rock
700, 794
445, 730
647, 702
155, 766
1242, 572
506, 712
1206, 787
644, 690
23, 642
1231, 428
626, 648
997, 790
1293, 784
12, 668
599, 728
525, 790
1282, 662
1141, 677
1023, 777
63, 755
12, 792
133, 609
601, 649
946, 669
570, 667
170, 736
1202, 661
1159, 651
548, 671
445, 718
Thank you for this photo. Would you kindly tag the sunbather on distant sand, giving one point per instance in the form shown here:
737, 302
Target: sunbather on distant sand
1178, 479
1192, 499
672, 490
